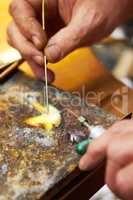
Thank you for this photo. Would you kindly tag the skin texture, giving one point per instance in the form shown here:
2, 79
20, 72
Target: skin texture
116, 146
70, 24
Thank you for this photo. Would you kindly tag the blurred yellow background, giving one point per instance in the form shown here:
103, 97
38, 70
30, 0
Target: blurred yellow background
78, 68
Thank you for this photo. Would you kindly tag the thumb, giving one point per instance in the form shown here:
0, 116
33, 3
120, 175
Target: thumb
63, 42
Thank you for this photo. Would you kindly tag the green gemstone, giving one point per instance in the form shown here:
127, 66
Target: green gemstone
82, 146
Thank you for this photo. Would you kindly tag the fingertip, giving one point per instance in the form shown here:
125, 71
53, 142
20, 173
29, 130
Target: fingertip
53, 53
51, 76
83, 163
40, 39
62, 43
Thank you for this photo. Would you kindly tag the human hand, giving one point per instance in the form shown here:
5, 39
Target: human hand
116, 145
69, 24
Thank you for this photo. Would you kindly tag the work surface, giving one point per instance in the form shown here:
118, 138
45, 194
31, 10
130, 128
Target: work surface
85, 70
32, 160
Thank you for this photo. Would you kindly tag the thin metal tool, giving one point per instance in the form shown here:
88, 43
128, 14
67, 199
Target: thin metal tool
46, 96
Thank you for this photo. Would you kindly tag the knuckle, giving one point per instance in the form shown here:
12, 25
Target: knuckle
97, 19
31, 19
13, 7
25, 54
82, 32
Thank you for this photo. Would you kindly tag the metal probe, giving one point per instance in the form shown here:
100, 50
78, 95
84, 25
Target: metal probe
46, 95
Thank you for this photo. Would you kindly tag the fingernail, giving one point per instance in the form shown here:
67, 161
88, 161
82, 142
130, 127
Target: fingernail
36, 42
50, 75
53, 53
38, 59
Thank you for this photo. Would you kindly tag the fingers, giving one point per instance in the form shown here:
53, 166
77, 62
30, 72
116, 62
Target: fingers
96, 153
25, 18
70, 37
119, 179
124, 182
39, 72
29, 52
84, 20
80, 31
108, 146
25, 47
116, 146
119, 154
61, 44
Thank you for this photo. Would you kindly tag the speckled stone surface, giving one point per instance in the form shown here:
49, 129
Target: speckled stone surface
32, 160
